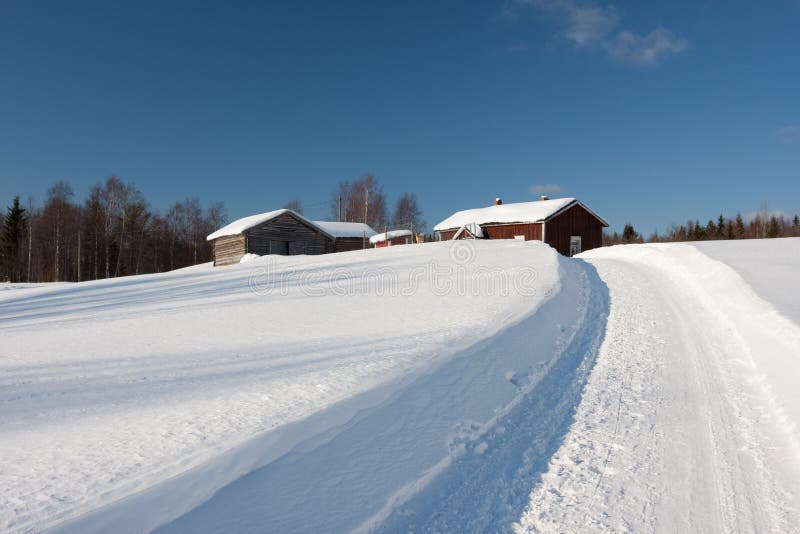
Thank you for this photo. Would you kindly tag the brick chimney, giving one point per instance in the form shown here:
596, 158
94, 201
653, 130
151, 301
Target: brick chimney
498, 201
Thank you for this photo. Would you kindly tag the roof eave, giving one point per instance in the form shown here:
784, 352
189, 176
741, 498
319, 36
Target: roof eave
577, 202
292, 213
484, 224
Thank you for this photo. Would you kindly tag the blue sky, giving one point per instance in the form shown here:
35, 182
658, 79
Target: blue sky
651, 113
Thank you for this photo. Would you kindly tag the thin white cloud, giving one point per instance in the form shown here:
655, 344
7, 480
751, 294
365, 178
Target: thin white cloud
647, 49
545, 189
789, 133
588, 26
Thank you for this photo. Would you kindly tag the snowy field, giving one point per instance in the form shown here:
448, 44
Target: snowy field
769, 266
474, 386
152, 392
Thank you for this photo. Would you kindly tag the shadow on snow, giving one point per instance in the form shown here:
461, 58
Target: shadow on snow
349, 476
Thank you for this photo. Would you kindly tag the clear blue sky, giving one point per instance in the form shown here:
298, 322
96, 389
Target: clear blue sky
649, 112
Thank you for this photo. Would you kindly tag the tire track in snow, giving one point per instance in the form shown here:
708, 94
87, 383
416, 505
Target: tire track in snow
695, 450
486, 489
384, 464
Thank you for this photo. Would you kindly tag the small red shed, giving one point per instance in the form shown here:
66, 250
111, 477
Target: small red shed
392, 237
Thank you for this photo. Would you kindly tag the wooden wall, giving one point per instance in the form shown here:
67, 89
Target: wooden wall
287, 235
344, 244
574, 221
228, 249
531, 231
447, 235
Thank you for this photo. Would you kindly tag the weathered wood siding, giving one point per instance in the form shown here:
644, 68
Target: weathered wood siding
228, 249
501, 231
344, 244
531, 231
574, 221
287, 235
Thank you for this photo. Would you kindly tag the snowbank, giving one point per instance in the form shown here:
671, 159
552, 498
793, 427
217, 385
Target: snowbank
128, 402
248, 257
770, 266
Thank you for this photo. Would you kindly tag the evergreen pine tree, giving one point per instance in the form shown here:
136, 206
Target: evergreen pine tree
629, 234
738, 230
721, 226
3, 255
711, 229
796, 222
773, 228
699, 232
13, 232
729, 233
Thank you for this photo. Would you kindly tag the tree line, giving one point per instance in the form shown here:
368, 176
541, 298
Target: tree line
112, 233
761, 226
363, 200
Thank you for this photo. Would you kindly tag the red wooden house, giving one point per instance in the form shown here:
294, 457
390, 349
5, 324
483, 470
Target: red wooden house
565, 224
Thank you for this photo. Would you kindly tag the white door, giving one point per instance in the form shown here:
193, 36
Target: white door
574, 245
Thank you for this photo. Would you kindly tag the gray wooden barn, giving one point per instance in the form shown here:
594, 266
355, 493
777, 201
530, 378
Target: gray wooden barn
286, 233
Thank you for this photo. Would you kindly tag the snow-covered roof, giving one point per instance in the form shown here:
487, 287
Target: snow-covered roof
520, 212
240, 225
391, 234
346, 229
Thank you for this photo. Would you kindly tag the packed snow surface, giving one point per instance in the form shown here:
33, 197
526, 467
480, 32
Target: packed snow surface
465, 386
688, 422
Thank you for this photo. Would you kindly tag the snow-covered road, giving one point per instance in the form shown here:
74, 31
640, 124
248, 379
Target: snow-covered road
679, 429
